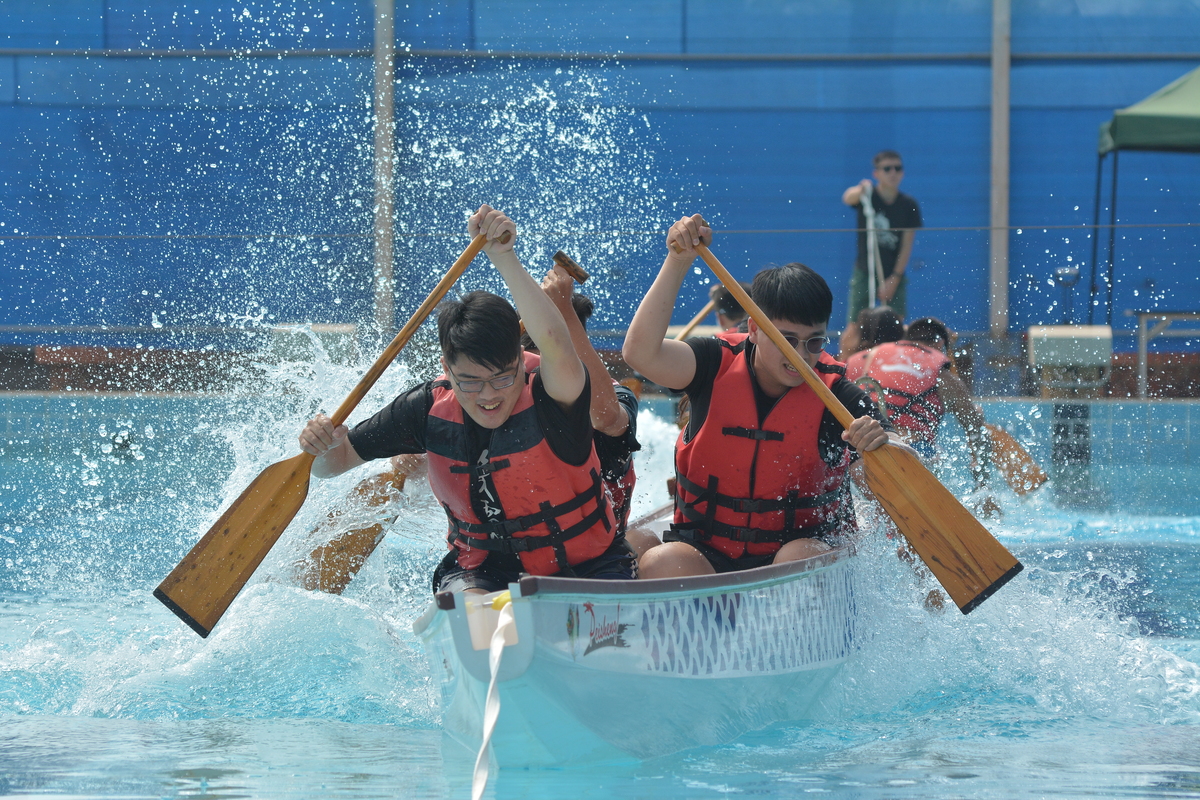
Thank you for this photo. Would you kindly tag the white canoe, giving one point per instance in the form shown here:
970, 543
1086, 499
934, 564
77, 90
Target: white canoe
609, 670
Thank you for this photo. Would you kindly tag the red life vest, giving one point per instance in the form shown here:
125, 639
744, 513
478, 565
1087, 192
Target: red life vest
908, 374
620, 488
555, 515
745, 488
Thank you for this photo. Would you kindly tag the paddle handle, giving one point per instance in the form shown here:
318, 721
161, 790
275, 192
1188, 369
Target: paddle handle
571, 266
760, 318
696, 320
419, 316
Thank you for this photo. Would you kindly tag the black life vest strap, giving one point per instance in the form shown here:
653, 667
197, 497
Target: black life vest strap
754, 433
793, 501
500, 538
691, 534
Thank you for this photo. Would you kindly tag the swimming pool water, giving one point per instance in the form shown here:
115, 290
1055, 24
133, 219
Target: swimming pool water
1077, 679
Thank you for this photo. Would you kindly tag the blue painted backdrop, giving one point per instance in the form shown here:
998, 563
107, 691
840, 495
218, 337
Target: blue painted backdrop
142, 191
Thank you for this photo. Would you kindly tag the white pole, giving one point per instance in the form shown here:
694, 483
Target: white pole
998, 240
385, 163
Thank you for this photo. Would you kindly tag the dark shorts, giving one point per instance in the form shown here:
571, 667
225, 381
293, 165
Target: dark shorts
859, 298
617, 563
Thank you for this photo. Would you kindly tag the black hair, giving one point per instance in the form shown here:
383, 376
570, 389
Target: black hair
481, 327
584, 308
879, 325
727, 304
929, 330
884, 155
793, 293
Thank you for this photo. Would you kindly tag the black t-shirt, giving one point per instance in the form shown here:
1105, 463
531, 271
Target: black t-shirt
829, 437
400, 427
890, 221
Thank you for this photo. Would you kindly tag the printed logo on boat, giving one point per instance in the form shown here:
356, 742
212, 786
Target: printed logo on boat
602, 631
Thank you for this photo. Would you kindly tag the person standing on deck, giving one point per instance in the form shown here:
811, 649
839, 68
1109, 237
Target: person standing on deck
510, 454
897, 217
761, 467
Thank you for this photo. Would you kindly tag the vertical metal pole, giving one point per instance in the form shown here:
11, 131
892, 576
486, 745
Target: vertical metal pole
1143, 346
385, 163
1112, 237
1093, 289
998, 240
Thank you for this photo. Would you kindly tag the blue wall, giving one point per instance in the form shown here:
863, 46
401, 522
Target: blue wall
166, 173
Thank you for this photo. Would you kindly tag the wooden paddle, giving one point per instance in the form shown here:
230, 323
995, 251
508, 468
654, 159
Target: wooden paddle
686, 330
1020, 471
967, 560
331, 566
205, 582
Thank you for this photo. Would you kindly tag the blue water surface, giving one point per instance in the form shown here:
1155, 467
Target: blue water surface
1079, 678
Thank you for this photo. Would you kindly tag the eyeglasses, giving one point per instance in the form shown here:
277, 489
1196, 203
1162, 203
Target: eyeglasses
892, 168
471, 387
813, 344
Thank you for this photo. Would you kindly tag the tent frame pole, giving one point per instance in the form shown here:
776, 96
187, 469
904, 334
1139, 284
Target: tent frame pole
1094, 289
1112, 238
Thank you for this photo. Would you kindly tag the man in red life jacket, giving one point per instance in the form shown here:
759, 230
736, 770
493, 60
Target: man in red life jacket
915, 382
510, 454
761, 467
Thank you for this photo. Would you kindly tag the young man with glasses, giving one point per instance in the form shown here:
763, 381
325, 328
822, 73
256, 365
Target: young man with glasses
510, 453
762, 466
897, 217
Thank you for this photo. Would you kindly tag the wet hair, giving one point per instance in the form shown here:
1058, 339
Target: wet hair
879, 325
584, 308
929, 330
793, 293
481, 327
727, 304
886, 155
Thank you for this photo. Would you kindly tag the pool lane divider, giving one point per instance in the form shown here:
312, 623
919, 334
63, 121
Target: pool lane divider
969, 563
204, 584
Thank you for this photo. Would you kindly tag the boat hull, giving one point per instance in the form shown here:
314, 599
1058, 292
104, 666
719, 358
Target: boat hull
611, 670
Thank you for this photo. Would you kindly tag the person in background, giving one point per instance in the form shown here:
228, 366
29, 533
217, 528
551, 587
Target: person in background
875, 326
510, 453
914, 380
730, 313
614, 408
762, 466
897, 217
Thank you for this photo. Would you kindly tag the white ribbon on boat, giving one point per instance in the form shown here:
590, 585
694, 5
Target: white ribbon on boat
491, 706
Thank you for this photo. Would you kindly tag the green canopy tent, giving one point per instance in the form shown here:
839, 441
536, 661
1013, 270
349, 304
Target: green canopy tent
1168, 120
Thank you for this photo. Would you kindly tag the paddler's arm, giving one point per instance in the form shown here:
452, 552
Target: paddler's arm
647, 349
334, 453
607, 414
562, 372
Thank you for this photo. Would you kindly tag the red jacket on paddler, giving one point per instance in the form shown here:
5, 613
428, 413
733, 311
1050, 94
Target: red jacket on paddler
743, 488
555, 515
907, 373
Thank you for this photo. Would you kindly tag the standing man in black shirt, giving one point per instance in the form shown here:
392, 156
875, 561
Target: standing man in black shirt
510, 453
897, 217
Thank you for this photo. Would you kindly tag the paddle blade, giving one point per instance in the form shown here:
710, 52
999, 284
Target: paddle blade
204, 583
964, 557
1020, 471
331, 566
